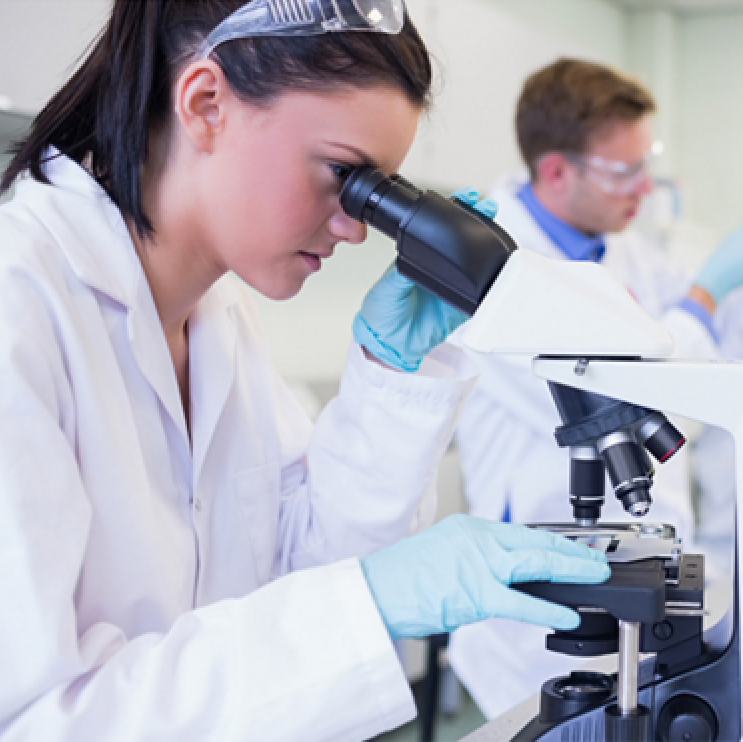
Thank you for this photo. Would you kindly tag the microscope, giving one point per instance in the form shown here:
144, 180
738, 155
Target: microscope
674, 681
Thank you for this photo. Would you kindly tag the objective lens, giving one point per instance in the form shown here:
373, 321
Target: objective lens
627, 467
587, 477
660, 437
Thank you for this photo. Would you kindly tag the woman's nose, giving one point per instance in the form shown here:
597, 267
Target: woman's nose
346, 229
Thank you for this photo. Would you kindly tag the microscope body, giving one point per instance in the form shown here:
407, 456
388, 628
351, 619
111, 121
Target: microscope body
589, 338
688, 687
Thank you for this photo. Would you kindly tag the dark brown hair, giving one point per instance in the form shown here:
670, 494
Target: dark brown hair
105, 113
564, 104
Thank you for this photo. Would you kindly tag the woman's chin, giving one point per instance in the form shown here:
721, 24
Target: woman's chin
280, 291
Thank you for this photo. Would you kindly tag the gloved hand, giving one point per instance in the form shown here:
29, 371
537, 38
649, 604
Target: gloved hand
458, 571
400, 322
723, 272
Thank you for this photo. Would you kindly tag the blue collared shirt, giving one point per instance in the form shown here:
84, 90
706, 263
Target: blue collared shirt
575, 244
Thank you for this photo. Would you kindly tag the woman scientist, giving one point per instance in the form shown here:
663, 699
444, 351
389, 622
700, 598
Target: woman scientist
161, 493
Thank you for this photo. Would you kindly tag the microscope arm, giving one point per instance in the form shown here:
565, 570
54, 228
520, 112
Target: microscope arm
709, 392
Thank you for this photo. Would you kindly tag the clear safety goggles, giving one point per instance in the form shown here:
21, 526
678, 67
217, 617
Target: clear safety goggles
305, 18
611, 176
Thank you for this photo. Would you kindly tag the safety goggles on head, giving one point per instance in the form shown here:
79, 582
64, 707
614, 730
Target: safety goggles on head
306, 18
611, 176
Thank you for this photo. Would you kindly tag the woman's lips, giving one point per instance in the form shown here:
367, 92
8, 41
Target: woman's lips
314, 260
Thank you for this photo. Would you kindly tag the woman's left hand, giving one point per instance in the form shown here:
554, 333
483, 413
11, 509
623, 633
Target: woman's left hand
399, 322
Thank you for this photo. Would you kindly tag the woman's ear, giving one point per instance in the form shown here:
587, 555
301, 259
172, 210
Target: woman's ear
200, 98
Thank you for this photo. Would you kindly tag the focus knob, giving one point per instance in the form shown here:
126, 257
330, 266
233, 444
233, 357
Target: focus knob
687, 718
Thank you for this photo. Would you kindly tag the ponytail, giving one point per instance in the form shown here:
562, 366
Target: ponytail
102, 118
134, 97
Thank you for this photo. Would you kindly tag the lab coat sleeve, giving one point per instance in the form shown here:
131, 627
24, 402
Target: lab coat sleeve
305, 658
372, 459
670, 283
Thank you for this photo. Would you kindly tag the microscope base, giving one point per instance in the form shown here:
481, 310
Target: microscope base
702, 702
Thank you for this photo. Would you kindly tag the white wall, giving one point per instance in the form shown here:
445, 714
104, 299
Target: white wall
653, 56
40, 41
710, 117
595, 26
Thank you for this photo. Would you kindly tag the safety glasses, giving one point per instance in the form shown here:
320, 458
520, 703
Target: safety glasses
305, 18
611, 176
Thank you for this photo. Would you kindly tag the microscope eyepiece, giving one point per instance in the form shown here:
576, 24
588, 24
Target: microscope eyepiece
443, 244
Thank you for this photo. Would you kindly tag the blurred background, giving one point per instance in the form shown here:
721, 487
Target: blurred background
688, 52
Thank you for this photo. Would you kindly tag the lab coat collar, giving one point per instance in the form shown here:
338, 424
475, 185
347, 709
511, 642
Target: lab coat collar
89, 228
575, 244
87, 225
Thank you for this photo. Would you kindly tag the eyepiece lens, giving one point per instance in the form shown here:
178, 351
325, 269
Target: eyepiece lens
360, 184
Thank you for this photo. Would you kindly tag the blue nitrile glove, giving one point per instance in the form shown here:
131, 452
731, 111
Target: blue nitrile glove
723, 272
400, 322
458, 571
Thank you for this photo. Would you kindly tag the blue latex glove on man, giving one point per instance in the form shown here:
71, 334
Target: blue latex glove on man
458, 572
399, 322
723, 272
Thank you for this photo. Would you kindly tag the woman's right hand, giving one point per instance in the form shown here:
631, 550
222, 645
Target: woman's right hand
459, 571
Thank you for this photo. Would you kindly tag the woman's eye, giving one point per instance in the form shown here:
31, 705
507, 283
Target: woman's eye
341, 171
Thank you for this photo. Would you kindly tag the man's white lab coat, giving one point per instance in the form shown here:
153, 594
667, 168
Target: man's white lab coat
138, 593
509, 455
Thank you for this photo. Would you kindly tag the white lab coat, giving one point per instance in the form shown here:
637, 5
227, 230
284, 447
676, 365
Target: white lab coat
508, 454
138, 591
